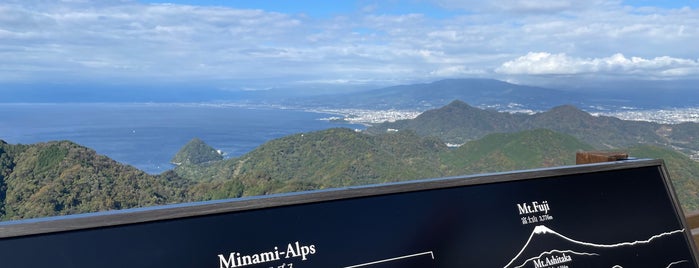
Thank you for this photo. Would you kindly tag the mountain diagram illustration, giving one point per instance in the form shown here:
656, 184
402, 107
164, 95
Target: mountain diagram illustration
548, 248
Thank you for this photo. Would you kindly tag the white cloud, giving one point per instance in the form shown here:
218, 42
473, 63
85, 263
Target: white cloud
521, 6
457, 71
126, 40
543, 63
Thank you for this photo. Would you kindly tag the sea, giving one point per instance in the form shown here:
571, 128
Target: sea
148, 135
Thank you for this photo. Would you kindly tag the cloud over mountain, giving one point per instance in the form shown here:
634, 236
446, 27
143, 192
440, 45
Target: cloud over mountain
234, 46
543, 63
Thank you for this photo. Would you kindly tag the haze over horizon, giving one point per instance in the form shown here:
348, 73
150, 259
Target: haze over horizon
254, 45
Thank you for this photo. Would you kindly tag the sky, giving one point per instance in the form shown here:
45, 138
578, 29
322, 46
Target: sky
258, 44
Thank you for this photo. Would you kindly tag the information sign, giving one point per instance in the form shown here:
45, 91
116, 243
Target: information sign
601, 215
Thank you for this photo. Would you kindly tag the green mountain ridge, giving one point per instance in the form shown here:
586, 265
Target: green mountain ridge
60, 178
329, 158
513, 151
459, 122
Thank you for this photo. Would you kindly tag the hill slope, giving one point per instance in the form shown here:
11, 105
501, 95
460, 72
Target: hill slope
343, 157
459, 122
683, 171
59, 178
328, 158
514, 151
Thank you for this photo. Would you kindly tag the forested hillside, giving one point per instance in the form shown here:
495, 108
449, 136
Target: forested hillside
330, 158
196, 151
59, 178
459, 122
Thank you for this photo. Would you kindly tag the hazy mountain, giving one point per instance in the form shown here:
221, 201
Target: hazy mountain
424, 96
637, 93
481, 92
500, 94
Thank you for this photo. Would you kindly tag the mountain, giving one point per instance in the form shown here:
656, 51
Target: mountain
604, 132
343, 157
490, 134
649, 94
502, 95
481, 92
456, 123
328, 158
459, 122
683, 136
59, 178
196, 151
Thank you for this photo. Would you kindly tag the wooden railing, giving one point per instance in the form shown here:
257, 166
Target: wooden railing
692, 219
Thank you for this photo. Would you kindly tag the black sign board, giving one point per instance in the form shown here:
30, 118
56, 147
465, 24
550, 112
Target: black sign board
620, 214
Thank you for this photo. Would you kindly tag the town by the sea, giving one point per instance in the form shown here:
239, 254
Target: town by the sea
148, 135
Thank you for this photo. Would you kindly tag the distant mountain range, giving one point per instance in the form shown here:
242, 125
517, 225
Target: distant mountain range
61, 177
502, 95
480, 92
424, 96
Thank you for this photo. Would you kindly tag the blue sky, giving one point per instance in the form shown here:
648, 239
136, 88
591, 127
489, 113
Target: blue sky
264, 44
326, 9
663, 4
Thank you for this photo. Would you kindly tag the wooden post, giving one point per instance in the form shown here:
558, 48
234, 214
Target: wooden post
693, 223
590, 157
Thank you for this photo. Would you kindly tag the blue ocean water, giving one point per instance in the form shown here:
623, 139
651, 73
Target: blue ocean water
146, 135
